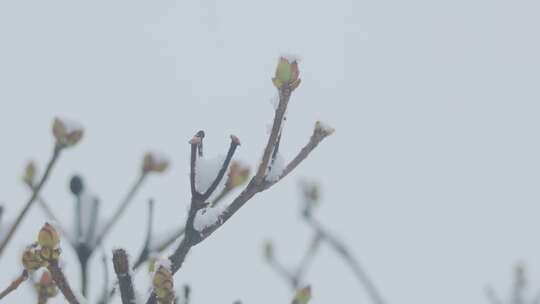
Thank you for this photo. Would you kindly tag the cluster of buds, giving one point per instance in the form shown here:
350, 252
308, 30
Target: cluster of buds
45, 250
287, 74
163, 285
67, 134
268, 251
154, 163
46, 287
238, 175
31, 258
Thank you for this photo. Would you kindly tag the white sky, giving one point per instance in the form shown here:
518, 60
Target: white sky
432, 177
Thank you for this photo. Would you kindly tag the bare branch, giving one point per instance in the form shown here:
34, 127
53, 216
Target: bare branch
492, 296
121, 268
355, 266
60, 280
121, 208
105, 293
284, 96
196, 145
55, 155
308, 257
15, 284
235, 142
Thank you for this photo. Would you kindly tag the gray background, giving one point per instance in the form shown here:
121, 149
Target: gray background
432, 176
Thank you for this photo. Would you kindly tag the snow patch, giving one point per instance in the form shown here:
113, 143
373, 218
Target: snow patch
208, 216
275, 169
206, 171
163, 262
291, 57
70, 125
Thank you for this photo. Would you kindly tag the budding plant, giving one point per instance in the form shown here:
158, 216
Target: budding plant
208, 210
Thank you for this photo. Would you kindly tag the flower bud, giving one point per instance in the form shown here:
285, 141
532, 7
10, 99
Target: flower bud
163, 285
311, 191
30, 173
268, 250
323, 129
287, 74
67, 133
302, 296
48, 236
32, 260
238, 174
76, 185
154, 163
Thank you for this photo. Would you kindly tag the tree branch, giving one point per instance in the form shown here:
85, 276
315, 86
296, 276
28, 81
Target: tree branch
286, 83
15, 284
56, 153
235, 142
121, 268
196, 144
355, 266
492, 296
284, 96
60, 280
121, 208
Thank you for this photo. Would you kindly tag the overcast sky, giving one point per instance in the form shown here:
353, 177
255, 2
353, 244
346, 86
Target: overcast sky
432, 177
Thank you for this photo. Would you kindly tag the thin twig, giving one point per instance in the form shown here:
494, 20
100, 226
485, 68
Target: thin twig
355, 266
121, 208
60, 280
306, 260
105, 294
232, 148
121, 268
56, 153
492, 296
51, 216
15, 284
284, 96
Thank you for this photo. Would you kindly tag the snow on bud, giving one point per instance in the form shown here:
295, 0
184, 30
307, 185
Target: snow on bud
31, 259
153, 162
302, 296
287, 74
67, 133
238, 174
163, 285
30, 173
48, 237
